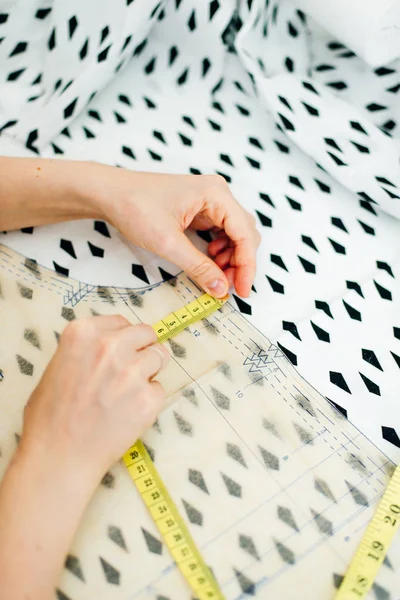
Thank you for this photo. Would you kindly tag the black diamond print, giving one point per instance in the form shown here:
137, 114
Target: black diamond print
60, 270
352, 285
370, 357
277, 260
338, 223
31, 336
337, 85
102, 228
338, 408
293, 203
73, 565
337, 160
385, 267
372, 387
361, 148
396, 358
285, 102
323, 306
40, 14
69, 110
140, 273
374, 107
308, 266
308, 86
331, 142
243, 306
265, 221
358, 127
338, 379
390, 435
266, 198
255, 142
396, 332
383, 292
321, 334
288, 326
52, 40
154, 155
307, 240
286, 123
68, 313
394, 89
352, 312
282, 147
96, 251
19, 48
253, 163
311, 109
289, 64
276, 286
323, 186
289, 355
72, 25
68, 247
111, 574
338, 248
103, 54
296, 181
367, 228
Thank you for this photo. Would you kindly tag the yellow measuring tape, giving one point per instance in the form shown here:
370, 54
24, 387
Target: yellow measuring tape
149, 483
369, 556
377, 538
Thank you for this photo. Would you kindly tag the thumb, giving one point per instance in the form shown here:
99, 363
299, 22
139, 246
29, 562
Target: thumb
199, 267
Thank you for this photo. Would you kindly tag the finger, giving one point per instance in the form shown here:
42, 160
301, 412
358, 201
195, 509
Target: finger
223, 259
230, 275
245, 238
137, 337
202, 222
198, 266
158, 394
216, 246
153, 359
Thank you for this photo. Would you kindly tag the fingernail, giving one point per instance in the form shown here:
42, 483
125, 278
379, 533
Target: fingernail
217, 287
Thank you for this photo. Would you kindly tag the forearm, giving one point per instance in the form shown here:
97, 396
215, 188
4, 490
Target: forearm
35, 191
40, 507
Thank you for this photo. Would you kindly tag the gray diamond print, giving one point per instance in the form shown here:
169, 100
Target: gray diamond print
305, 404
68, 313
225, 369
356, 462
32, 337
337, 580
25, 366
286, 515
156, 426
380, 592
110, 572
387, 563
153, 544
221, 400
191, 396
285, 553
150, 451
358, 497
115, 534
304, 435
197, 479
247, 544
271, 427
74, 566
104, 294
61, 596
235, 452
323, 524
108, 480
193, 514
271, 461
246, 585
234, 489
322, 487
184, 426
25, 292
177, 350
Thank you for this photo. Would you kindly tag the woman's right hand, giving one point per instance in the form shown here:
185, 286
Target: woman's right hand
97, 396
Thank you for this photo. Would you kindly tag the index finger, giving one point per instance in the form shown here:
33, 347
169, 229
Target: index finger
244, 238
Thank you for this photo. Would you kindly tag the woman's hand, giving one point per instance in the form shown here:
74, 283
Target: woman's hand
97, 396
95, 399
153, 211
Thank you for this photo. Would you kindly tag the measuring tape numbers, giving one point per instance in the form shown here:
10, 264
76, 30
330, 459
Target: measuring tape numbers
374, 545
141, 468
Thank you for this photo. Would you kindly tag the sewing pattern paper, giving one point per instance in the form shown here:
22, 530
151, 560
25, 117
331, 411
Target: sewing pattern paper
274, 483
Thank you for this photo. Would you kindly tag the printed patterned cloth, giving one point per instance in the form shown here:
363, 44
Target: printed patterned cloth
275, 484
